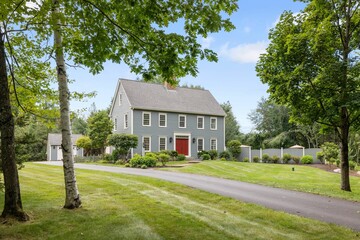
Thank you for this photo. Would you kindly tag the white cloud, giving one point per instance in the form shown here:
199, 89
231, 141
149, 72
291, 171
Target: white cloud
244, 53
206, 42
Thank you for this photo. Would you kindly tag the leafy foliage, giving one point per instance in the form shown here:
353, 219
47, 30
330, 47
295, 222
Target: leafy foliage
265, 158
100, 127
225, 154
163, 158
123, 143
181, 157
234, 147
256, 159
312, 66
275, 159
205, 156
213, 154
286, 158
307, 159
232, 128
331, 151
138, 161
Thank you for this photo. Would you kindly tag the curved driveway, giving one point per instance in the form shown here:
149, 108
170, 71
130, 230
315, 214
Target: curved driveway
332, 210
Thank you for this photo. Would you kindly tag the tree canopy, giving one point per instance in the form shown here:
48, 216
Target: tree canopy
312, 66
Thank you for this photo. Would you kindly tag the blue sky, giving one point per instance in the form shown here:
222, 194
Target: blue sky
233, 78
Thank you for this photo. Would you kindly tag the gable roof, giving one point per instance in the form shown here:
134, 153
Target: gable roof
156, 97
55, 138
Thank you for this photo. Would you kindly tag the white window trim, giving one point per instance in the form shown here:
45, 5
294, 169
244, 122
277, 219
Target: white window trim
145, 151
165, 142
143, 113
216, 142
164, 114
126, 121
197, 122
181, 115
115, 124
215, 123
197, 144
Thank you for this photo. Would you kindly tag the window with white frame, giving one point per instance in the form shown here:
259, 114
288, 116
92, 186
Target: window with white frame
200, 144
182, 121
213, 144
200, 122
115, 124
162, 119
120, 99
147, 144
213, 123
146, 116
162, 143
126, 122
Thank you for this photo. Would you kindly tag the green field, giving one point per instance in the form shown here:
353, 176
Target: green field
304, 178
117, 206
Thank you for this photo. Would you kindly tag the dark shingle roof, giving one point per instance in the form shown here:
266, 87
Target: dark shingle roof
55, 138
151, 96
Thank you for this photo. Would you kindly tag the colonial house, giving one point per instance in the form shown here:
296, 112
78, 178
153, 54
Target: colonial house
53, 149
165, 118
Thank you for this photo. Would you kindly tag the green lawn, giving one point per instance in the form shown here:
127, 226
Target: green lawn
304, 178
117, 206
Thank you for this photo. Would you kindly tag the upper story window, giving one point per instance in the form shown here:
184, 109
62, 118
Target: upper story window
120, 99
146, 119
126, 122
200, 122
213, 123
213, 144
200, 144
162, 119
115, 124
182, 121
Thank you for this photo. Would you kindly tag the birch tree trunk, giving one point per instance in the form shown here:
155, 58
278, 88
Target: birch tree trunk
12, 204
72, 198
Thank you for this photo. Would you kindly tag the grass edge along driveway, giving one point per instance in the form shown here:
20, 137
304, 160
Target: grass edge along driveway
118, 206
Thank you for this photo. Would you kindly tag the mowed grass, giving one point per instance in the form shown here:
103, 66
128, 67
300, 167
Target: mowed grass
304, 178
117, 206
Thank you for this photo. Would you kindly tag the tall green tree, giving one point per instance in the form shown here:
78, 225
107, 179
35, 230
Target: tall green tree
100, 127
92, 32
232, 128
312, 66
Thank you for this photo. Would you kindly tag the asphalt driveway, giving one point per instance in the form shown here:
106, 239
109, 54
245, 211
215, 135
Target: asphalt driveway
332, 210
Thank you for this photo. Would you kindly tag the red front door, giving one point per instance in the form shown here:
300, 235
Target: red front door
182, 146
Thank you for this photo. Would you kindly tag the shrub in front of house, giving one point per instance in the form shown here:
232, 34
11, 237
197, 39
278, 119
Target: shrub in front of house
168, 152
307, 159
181, 157
256, 159
213, 154
352, 165
163, 158
246, 159
137, 161
265, 158
226, 155
275, 159
205, 156
286, 158
173, 154
199, 154
296, 159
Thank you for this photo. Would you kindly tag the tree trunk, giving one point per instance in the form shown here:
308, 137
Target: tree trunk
344, 131
72, 199
12, 204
